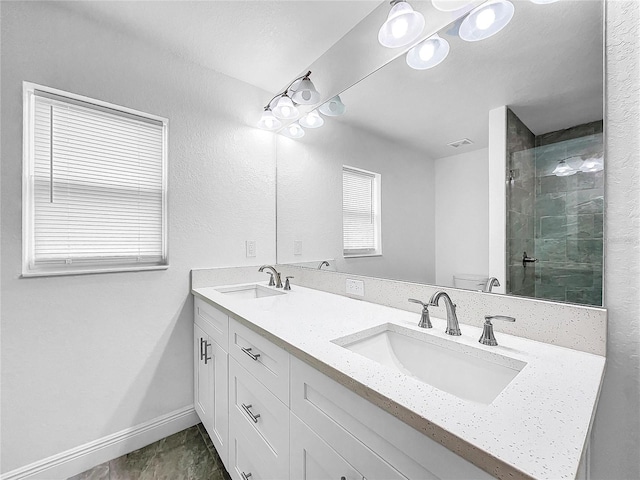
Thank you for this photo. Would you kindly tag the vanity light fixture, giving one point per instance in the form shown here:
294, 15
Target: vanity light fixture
563, 169
304, 91
312, 120
283, 105
269, 121
285, 109
293, 131
450, 5
486, 20
428, 53
333, 108
403, 25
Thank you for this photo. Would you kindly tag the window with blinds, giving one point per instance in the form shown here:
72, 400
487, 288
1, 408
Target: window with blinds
95, 186
360, 212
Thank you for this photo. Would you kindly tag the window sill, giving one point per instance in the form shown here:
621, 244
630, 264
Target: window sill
357, 255
90, 271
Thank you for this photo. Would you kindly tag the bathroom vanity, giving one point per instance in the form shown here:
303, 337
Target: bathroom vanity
309, 384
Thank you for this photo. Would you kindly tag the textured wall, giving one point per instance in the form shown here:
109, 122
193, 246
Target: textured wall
462, 215
310, 201
615, 453
87, 356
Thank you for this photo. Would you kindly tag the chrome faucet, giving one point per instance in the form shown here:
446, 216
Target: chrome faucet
275, 274
453, 328
324, 263
491, 282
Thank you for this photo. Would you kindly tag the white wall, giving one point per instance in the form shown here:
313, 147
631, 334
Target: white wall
615, 452
86, 356
462, 215
310, 201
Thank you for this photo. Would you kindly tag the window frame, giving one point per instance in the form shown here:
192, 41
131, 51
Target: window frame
28, 195
377, 226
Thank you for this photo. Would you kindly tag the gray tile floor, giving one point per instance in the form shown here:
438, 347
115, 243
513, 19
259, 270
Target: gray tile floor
187, 455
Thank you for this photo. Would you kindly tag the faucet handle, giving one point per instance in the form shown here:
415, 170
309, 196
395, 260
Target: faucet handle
271, 282
287, 285
487, 337
425, 320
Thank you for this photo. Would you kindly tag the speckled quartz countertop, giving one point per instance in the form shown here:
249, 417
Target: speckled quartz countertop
536, 428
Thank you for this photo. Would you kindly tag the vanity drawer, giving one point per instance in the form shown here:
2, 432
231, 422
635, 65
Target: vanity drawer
265, 361
249, 460
264, 418
213, 321
365, 434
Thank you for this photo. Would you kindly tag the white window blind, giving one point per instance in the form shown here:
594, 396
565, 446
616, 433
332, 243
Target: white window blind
97, 187
360, 212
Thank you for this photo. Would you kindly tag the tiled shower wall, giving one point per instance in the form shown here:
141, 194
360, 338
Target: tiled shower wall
569, 217
557, 220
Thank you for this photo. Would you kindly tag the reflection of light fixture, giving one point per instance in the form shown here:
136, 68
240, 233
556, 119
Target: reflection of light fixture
594, 164
486, 20
333, 107
305, 92
312, 120
543, 2
428, 53
268, 121
293, 131
563, 170
403, 25
285, 109
450, 5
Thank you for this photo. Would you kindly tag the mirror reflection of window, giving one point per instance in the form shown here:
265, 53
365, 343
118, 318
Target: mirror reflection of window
360, 212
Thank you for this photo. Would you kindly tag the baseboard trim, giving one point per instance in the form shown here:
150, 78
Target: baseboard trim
84, 457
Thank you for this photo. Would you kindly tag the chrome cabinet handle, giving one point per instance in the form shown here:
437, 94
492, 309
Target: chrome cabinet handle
247, 408
204, 346
254, 356
245, 476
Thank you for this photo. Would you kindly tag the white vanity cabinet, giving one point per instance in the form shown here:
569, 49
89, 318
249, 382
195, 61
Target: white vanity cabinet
210, 373
273, 416
258, 406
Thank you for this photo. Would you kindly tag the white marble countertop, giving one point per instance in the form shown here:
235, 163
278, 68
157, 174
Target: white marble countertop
537, 427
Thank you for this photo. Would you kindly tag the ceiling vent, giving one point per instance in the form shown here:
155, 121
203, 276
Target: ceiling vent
460, 143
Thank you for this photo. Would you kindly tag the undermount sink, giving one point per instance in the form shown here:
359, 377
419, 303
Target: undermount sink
249, 292
461, 370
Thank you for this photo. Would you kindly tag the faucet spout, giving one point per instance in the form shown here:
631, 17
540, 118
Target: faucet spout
453, 327
491, 282
276, 275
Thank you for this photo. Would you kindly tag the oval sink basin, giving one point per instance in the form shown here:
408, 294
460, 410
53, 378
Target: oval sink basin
249, 292
466, 372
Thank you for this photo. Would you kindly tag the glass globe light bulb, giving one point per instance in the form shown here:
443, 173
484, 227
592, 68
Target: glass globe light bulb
485, 19
399, 28
426, 51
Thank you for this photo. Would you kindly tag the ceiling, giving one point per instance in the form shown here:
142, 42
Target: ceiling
546, 65
265, 43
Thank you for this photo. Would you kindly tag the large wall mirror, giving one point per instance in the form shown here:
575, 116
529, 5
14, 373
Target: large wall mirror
399, 186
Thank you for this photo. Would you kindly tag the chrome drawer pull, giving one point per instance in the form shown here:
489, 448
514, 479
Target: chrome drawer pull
254, 356
202, 352
245, 476
247, 408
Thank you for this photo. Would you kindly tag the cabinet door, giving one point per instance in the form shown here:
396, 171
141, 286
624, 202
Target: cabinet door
202, 379
211, 390
313, 459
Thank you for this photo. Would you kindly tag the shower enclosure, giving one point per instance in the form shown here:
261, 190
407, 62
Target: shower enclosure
555, 202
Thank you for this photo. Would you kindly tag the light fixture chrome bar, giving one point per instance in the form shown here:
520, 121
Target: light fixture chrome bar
286, 91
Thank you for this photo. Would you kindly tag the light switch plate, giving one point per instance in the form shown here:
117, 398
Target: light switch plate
297, 247
251, 248
355, 287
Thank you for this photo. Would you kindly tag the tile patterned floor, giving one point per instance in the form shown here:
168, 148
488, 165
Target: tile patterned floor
187, 455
